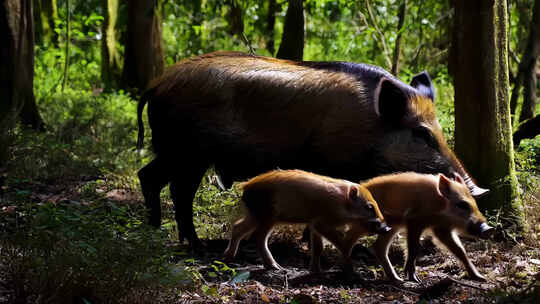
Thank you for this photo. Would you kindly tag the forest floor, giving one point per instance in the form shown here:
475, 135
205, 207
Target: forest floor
512, 275
511, 268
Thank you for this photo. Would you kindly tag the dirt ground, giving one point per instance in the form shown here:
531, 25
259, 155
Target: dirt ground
507, 267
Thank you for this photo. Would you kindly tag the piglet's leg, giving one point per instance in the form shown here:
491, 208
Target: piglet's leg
452, 242
381, 247
336, 238
316, 250
261, 235
413, 247
352, 236
240, 230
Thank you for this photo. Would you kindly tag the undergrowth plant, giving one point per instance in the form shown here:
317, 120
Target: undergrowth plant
101, 252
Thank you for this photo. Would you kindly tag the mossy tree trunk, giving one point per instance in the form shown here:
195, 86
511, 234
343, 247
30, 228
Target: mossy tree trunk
483, 137
45, 14
16, 70
143, 59
111, 70
292, 40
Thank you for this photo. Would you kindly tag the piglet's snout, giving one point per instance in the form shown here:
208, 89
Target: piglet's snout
482, 230
377, 226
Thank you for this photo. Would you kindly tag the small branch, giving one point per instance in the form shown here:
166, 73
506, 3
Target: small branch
378, 30
466, 284
403, 290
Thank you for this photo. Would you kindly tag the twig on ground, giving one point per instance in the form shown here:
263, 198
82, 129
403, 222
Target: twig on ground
403, 290
466, 284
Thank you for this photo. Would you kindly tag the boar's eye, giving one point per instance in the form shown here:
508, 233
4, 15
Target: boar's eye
463, 205
425, 135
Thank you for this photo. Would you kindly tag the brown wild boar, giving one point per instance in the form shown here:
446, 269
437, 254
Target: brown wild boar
295, 196
420, 202
247, 114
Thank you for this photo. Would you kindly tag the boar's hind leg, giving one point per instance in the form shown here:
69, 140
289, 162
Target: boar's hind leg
153, 177
183, 188
452, 242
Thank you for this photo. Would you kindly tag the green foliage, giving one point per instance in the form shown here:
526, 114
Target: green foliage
100, 252
87, 135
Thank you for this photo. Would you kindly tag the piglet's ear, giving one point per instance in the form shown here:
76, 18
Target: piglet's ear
391, 101
422, 82
459, 179
353, 193
444, 186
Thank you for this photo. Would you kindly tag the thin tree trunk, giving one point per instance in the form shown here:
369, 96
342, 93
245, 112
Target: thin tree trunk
397, 48
529, 65
292, 40
143, 59
110, 58
16, 66
66, 63
483, 126
270, 25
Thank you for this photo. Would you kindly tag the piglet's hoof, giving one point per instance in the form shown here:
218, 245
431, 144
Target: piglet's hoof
413, 277
274, 266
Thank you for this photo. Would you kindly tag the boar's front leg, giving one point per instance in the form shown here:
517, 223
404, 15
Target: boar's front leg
414, 231
452, 242
183, 188
153, 177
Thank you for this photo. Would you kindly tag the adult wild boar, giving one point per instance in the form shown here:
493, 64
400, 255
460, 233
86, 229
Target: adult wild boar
247, 114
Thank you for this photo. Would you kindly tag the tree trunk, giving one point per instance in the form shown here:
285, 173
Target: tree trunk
483, 126
397, 48
143, 59
270, 25
45, 12
529, 65
16, 68
528, 129
110, 58
292, 40
194, 40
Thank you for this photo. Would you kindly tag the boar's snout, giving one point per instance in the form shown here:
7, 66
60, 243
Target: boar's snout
377, 226
481, 230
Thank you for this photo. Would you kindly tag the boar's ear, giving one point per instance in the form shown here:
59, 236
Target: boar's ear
422, 82
391, 101
444, 186
353, 193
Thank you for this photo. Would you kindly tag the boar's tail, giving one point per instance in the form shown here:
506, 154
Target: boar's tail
140, 107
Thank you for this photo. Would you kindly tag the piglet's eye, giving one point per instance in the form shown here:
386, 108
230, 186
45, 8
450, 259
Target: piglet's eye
463, 205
